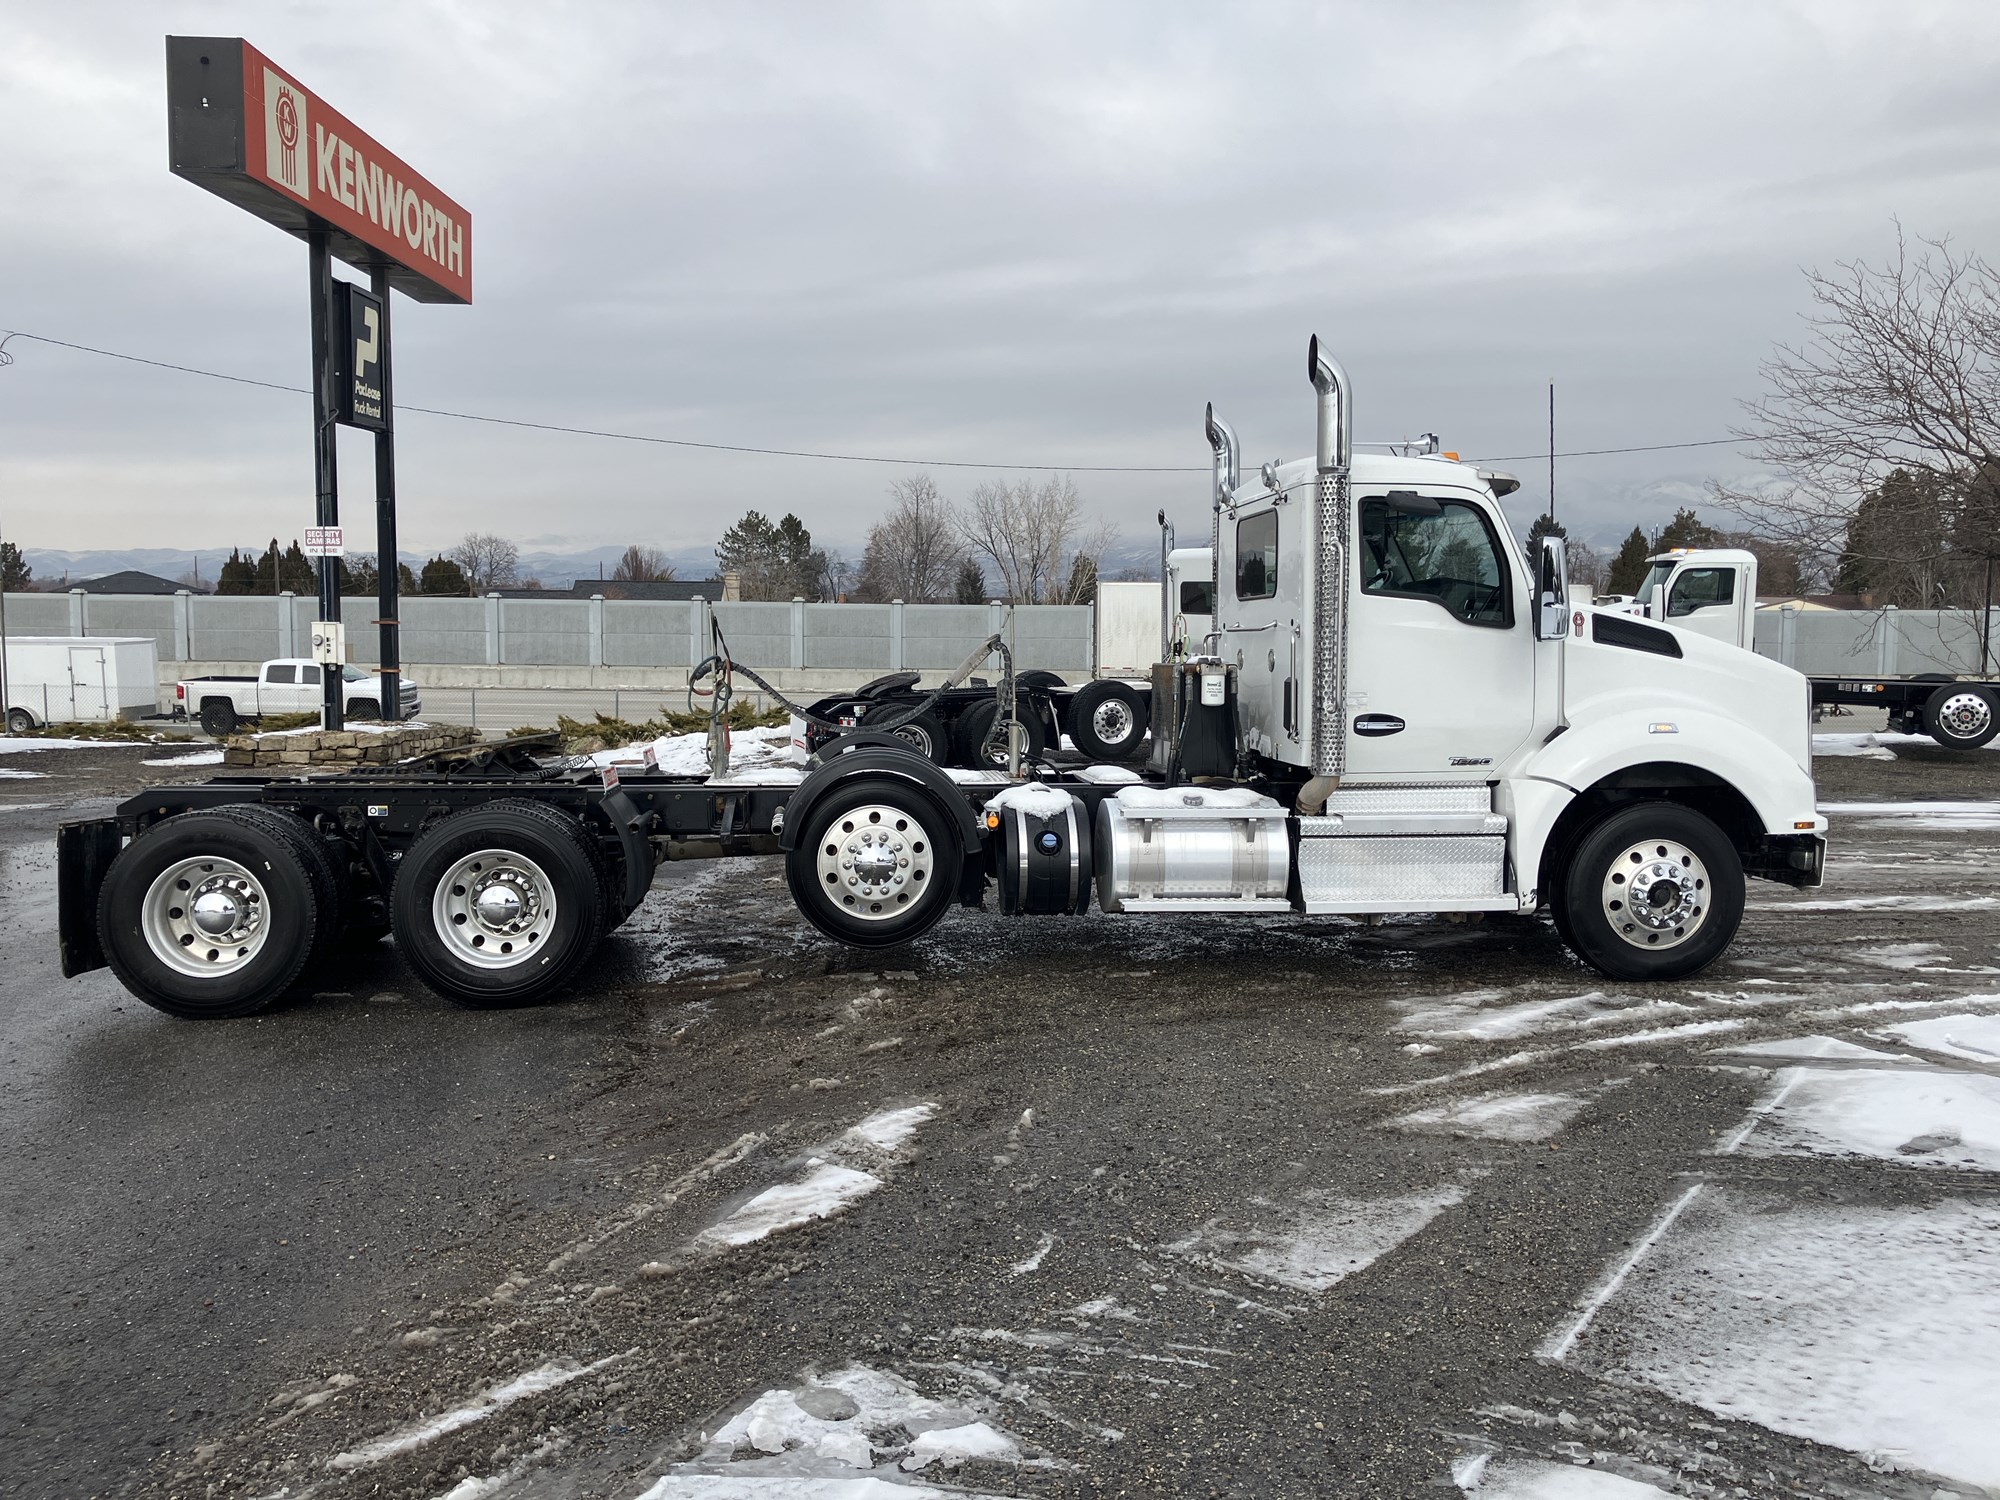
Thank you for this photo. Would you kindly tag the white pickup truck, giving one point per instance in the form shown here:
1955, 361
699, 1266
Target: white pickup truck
286, 685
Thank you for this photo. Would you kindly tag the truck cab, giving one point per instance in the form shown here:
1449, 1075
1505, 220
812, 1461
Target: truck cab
1710, 591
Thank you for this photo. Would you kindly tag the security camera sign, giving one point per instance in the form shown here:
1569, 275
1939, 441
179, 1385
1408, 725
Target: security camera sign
325, 541
360, 349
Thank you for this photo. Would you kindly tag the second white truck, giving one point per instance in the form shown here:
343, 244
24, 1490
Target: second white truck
285, 685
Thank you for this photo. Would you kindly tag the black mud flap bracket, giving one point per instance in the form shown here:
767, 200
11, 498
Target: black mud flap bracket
84, 851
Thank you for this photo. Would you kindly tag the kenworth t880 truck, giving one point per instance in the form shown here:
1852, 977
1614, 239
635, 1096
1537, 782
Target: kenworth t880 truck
1393, 710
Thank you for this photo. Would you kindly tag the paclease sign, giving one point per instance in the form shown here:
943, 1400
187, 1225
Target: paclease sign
300, 144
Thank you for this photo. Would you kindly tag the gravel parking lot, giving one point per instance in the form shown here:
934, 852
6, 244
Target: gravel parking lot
1119, 1206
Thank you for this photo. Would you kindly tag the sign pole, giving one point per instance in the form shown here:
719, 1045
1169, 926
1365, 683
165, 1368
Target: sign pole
325, 471
389, 580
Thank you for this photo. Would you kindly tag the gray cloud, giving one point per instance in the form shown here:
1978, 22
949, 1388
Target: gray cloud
1010, 232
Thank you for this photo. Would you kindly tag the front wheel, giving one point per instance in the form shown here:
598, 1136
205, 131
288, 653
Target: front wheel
1653, 891
19, 721
1961, 717
500, 905
876, 864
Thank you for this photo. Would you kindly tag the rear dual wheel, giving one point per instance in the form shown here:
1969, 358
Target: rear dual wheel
500, 905
1962, 717
1107, 720
215, 914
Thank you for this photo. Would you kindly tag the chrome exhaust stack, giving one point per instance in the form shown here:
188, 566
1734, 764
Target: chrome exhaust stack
1334, 455
1228, 475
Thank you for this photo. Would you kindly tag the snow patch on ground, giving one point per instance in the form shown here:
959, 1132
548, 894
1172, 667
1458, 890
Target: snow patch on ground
199, 758
1958, 816
825, 1191
1497, 1117
26, 745
687, 754
1314, 1240
1473, 1016
1920, 1119
1761, 1311
1537, 1479
1901, 956
11, 775
1867, 746
892, 1130
1974, 1038
1886, 903
822, 1438
407, 1439
1033, 1262
1812, 1048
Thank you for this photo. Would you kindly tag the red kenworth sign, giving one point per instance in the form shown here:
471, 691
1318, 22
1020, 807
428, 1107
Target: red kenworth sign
244, 128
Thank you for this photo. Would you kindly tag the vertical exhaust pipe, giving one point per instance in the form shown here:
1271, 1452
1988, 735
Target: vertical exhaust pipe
1334, 456
1227, 476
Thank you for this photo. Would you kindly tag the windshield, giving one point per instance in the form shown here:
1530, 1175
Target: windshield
353, 674
1654, 579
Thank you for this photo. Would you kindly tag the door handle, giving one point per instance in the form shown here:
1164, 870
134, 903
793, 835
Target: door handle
1374, 726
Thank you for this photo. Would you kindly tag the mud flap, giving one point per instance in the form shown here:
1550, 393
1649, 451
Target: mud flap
84, 851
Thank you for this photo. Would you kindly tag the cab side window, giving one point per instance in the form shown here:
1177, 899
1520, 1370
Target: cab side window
281, 674
1698, 588
1452, 559
1257, 556
1198, 598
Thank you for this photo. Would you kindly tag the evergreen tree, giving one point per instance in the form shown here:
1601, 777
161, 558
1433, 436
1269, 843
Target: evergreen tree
773, 560
14, 572
1686, 529
1082, 586
239, 575
443, 576
1628, 567
969, 587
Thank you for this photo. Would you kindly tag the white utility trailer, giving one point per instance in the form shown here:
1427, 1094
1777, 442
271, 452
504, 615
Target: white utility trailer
75, 679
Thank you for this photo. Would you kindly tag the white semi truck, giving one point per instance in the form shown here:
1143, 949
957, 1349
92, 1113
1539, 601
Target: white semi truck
1712, 591
1394, 710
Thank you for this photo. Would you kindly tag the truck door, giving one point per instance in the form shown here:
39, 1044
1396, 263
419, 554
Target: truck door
1441, 658
1711, 600
279, 692
1260, 616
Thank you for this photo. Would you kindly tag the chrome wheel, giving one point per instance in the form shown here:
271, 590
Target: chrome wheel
1656, 894
1112, 721
919, 737
1965, 715
493, 909
205, 917
874, 861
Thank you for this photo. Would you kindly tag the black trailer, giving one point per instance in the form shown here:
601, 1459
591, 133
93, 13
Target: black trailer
1959, 713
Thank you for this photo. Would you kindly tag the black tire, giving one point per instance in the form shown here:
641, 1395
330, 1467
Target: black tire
975, 742
1107, 720
19, 721
1962, 716
922, 841
329, 881
362, 709
546, 857
1668, 879
218, 718
247, 866
925, 733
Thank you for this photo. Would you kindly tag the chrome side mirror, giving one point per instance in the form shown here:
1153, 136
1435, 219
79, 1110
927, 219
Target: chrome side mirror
1551, 591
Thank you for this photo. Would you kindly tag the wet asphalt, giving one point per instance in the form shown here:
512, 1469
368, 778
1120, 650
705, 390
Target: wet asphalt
235, 1252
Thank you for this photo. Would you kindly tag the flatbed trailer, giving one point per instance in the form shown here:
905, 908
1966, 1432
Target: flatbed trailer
1395, 710
1960, 713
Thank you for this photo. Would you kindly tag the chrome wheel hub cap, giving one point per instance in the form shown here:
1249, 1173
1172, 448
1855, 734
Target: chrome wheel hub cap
875, 861
494, 909
1966, 714
205, 917
1656, 894
1111, 721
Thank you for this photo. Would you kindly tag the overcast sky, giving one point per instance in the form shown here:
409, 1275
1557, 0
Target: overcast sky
1023, 233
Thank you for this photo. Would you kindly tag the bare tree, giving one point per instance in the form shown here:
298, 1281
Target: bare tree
487, 561
913, 552
643, 565
1894, 394
1586, 565
1033, 536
